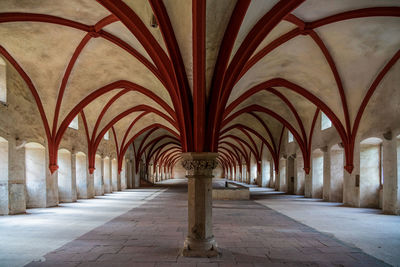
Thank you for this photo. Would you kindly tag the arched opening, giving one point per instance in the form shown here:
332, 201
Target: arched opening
237, 173
4, 159
253, 170
98, 178
265, 173
124, 181
299, 179
336, 182
244, 173
290, 174
3, 81
107, 175
317, 179
398, 165
81, 175
397, 211
281, 183
128, 171
273, 176
4, 176
35, 174
114, 174
66, 185
371, 172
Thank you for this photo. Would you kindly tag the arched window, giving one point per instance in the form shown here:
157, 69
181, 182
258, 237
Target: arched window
3, 81
290, 137
325, 122
107, 136
74, 123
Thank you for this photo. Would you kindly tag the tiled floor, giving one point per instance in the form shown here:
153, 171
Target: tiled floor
248, 234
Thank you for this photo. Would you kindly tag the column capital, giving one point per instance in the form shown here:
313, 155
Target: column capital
199, 164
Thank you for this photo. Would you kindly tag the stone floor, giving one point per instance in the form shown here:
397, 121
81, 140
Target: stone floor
248, 234
375, 233
29, 236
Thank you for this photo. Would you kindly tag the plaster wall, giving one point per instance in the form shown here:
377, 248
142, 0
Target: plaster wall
178, 170
218, 172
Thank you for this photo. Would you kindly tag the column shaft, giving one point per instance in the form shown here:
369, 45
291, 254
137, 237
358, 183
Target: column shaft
200, 241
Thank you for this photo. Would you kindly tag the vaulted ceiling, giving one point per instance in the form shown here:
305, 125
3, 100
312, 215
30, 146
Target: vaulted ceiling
222, 75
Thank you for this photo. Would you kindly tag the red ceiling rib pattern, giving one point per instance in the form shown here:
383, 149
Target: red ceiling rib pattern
189, 120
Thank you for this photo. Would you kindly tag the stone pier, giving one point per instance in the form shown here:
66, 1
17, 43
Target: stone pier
200, 241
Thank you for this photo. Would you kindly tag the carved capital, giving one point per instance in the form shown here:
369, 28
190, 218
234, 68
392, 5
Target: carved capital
199, 165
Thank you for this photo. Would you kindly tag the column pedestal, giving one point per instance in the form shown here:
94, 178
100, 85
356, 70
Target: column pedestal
200, 241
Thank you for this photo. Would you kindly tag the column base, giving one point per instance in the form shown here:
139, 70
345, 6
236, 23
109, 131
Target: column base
206, 248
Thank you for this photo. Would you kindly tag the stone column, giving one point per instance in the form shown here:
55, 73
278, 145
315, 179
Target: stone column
308, 184
51, 183
136, 170
390, 173
119, 188
300, 175
155, 173
128, 173
351, 181
150, 173
327, 174
90, 184
90, 181
277, 179
74, 193
271, 174
244, 173
102, 175
290, 173
200, 241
